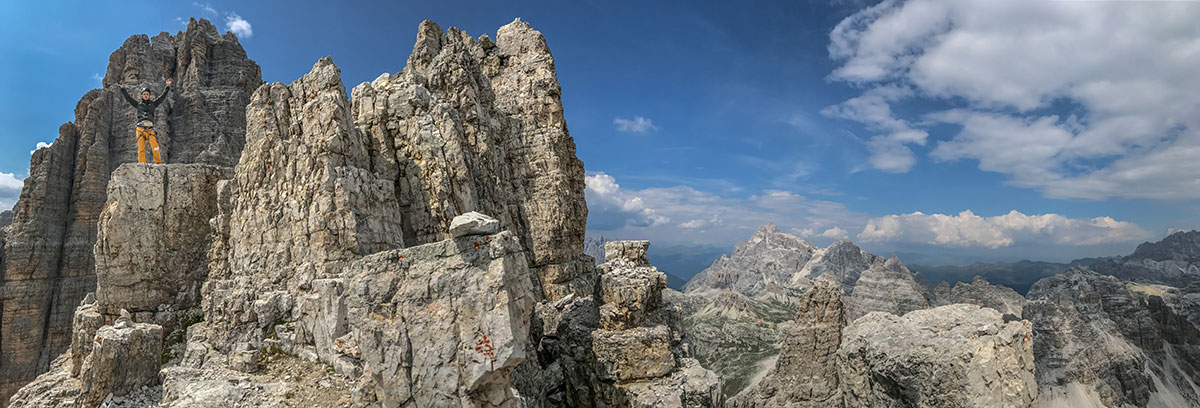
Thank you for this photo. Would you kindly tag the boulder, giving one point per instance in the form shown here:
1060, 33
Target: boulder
473, 223
949, 356
125, 357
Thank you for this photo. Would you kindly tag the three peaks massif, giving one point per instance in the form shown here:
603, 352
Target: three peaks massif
422, 245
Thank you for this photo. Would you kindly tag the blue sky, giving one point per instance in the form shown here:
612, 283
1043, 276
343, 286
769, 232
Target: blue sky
1065, 129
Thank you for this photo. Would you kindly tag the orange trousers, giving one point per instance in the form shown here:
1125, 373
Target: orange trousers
147, 135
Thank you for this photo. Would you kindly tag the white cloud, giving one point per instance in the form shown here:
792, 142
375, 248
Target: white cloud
888, 150
623, 208
207, 9
238, 25
835, 233
99, 78
969, 230
636, 125
683, 215
1125, 71
39, 146
10, 190
702, 218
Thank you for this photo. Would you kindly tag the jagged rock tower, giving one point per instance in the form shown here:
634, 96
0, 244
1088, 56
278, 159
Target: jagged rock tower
47, 265
350, 234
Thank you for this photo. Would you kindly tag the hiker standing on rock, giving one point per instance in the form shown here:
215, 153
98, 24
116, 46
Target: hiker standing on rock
145, 121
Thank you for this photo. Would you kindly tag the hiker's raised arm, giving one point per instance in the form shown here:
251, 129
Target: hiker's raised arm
126, 95
164, 93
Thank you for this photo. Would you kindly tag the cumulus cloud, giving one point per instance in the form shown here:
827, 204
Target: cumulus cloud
39, 146
10, 190
636, 125
610, 207
835, 233
1125, 71
238, 25
969, 230
683, 214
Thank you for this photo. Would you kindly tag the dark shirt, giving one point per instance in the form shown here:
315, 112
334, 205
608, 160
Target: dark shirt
145, 108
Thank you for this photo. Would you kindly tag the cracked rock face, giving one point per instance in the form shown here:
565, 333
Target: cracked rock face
124, 358
886, 286
1098, 339
640, 355
805, 374
477, 125
152, 245
435, 325
48, 256
949, 356
981, 293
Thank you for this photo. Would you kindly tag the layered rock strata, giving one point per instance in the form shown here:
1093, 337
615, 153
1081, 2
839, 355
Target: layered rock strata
1098, 341
477, 125
805, 374
949, 356
638, 351
48, 253
981, 293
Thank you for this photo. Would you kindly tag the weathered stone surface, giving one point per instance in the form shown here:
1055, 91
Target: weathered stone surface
629, 293
980, 293
690, 386
87, 321
885, 287
473, 223
633, 252
56, 388
48, 256
639, 354
302, 205
1185, 301
124, 358
1097, 340
634, 354
805, 374
438, 324
949, 356
476, 125
152, 246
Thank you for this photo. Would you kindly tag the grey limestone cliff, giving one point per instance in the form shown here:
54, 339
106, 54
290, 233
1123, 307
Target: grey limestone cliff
48, 261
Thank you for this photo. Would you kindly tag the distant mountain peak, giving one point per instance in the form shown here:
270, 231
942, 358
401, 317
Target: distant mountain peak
769, 228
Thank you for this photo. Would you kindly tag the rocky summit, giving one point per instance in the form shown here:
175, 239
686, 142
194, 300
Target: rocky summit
48, 264
1174, 261
420, 246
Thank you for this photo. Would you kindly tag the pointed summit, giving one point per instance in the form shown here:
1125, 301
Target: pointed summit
770, 228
